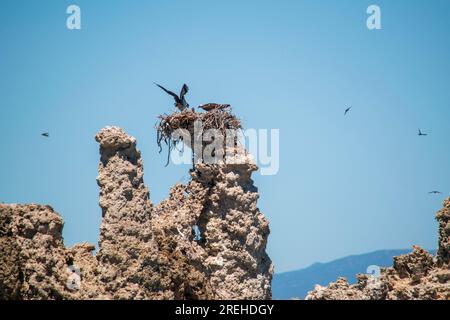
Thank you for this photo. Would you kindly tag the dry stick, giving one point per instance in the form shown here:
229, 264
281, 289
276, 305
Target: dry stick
216, 119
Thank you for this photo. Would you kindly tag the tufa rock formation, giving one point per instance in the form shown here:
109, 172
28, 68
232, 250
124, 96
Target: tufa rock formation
414, 276
145, 252
230, 262
443, 217
32, 254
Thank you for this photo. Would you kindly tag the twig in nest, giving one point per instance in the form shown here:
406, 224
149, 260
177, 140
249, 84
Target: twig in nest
221, 120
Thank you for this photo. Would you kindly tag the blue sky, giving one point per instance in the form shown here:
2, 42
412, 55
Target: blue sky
346, 185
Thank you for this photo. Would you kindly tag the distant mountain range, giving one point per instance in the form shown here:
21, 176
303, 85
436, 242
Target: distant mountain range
296, 284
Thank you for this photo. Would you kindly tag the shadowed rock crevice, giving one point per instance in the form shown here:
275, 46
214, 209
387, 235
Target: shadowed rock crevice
32, 259
232, 257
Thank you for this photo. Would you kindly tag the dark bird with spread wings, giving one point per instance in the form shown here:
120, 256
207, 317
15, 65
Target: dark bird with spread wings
180, 101
213, 106
45, 134
347, 110
421, 133
435, 192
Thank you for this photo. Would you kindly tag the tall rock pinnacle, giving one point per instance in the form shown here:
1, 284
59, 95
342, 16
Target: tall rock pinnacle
230, 258
139, 244
125, 233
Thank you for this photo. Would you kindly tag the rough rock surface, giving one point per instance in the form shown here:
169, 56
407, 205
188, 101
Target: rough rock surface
32, 254
414, 276
144, 252
127, 256
229, 262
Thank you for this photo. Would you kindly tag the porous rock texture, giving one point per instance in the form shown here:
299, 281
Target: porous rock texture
229, 262
414, 276
128, 256
145, 252
443, 218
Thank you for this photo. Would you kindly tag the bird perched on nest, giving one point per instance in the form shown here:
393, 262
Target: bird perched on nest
213, 106
180, 101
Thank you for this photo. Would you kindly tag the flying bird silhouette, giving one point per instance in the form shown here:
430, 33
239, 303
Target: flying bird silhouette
421, 134
435, 192
213, 106
347, 110
180, 101
45, 134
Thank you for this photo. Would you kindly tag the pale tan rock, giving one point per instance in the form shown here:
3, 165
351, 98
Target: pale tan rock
128, 256
230, 262
144, 252
443, 218
32, 253
414, 276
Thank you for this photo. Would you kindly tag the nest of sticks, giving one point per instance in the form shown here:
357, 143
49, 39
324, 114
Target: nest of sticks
219, 119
